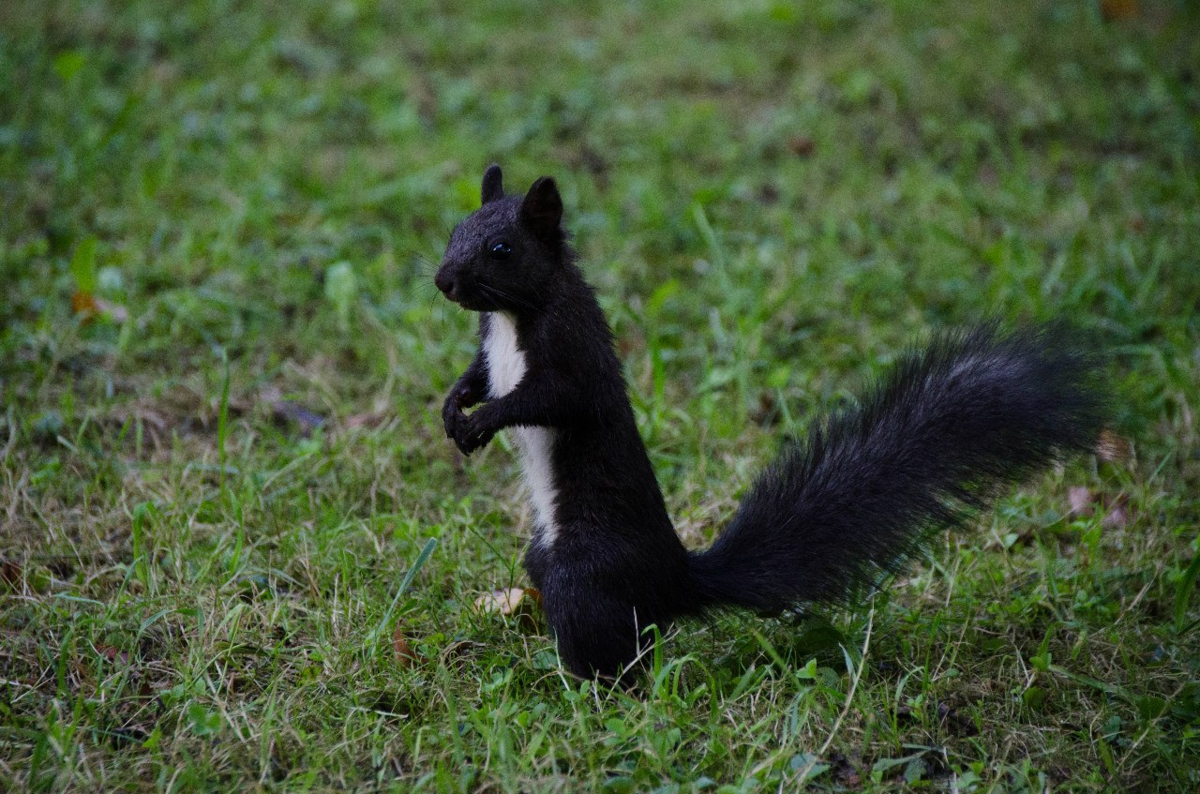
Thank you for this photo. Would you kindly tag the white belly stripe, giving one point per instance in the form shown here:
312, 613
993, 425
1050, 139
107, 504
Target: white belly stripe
506, 367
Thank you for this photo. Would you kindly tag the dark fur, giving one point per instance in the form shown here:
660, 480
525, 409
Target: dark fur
947, 430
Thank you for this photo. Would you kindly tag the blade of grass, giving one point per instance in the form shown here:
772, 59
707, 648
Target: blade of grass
381, 629
223, 421
1183, 593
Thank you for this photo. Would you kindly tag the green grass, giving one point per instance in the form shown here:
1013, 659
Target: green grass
209, 505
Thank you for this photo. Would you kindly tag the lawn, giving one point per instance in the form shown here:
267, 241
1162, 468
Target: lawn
237, 552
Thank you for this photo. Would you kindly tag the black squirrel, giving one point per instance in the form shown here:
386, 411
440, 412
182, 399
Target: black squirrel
944, 432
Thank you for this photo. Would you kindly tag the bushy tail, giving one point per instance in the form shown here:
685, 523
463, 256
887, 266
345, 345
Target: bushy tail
943, 433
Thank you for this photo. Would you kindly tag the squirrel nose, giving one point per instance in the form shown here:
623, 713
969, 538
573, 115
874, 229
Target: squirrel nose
444, 282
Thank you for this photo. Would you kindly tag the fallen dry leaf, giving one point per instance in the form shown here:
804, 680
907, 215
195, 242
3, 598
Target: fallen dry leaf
1080, 500
802, 145
1083, 502
519, 603
1118, 9
1111, 448
405, 655
382, 409
844, 771
11, 574
504, 602
113, 654
767, 414
89, 307
288, 412
1118, 513
84, 305
371, 419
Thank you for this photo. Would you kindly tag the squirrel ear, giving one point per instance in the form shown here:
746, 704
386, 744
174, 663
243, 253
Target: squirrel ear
542, 208
492, 184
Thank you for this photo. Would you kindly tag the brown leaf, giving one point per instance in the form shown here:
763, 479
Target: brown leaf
89, 307
84, 303
767, 414
288, 412
405, 656
113, 654
801, 145
382, 410
1113, 10
11, 574
504, 602
1080, 499
1111, 448
1118, 513
370, 419
844, 771
1083, 502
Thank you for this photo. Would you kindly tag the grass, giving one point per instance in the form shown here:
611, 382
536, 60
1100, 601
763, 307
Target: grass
214, 492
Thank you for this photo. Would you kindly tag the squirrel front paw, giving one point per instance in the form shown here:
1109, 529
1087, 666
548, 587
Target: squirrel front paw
463, 395
470, 432
451, 415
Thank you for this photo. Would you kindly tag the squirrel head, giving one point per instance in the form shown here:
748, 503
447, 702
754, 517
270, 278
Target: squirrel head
506, 255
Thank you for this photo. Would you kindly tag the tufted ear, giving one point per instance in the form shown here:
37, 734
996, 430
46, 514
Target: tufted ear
492, 184
542, 208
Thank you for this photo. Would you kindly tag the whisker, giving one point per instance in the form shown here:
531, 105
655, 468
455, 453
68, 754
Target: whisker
504, 295
417, 288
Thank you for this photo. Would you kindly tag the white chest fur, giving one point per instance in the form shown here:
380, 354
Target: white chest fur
506, 367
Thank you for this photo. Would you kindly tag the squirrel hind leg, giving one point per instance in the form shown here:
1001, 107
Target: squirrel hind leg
605, 639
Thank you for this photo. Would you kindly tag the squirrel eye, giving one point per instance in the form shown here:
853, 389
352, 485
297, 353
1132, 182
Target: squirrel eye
501, 251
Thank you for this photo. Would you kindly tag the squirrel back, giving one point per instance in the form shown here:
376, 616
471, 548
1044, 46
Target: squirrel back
947, 430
